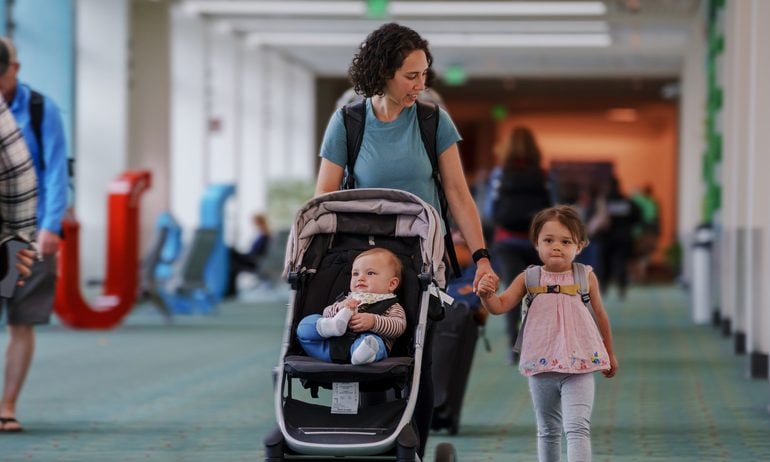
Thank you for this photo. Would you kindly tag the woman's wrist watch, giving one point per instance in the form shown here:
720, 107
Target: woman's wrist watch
481, 253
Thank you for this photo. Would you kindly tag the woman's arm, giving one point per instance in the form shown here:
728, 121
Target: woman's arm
463, 208
603, 321
329, 177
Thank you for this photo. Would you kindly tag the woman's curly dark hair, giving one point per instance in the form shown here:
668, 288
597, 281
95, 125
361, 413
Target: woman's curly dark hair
382, 54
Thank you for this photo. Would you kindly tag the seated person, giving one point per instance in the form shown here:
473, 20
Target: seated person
240, 262
362, 327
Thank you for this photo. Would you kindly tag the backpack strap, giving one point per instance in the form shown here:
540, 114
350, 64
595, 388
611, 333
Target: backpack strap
427, 118
580, 274
36, 102
531, 281
354, 118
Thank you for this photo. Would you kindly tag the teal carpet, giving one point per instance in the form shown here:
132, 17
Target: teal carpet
201, 390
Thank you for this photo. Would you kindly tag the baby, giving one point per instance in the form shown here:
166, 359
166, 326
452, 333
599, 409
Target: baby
362, 327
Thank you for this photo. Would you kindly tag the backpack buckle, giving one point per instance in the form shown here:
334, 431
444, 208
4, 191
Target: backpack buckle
553, 289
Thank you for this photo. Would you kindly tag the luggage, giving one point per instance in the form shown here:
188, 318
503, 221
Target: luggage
454, 343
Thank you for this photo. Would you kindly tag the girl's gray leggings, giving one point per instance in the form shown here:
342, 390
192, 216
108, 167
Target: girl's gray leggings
563, 402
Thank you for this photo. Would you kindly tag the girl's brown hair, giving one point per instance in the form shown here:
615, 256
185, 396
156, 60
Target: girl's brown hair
564, 214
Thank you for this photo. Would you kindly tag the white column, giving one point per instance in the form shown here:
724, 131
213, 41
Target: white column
734, 302
692, 143
278, 102
758, 318
222, 67
302, 124
149, 107
101, 120
252, 151
188, 116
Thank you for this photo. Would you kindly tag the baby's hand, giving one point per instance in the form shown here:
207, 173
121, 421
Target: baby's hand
487, 286
350, 303
361, 322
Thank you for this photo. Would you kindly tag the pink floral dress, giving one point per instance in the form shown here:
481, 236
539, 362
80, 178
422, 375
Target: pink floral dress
560, 334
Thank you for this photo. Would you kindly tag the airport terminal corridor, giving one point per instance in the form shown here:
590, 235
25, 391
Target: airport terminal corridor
199, 389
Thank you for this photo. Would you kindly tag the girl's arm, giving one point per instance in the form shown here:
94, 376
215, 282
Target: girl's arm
463, 208
508, 300
603, 321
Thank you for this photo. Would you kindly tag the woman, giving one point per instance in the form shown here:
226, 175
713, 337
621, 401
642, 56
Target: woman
521, 193
391, 68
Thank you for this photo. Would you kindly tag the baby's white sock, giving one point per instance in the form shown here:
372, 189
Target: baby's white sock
334, 326
366, 352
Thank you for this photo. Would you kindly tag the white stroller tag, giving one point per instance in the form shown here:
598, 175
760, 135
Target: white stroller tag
445, 298
345, 398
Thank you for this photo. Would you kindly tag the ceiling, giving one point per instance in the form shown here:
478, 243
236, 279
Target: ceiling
622, 38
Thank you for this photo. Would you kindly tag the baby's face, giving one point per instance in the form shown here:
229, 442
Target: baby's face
373, 274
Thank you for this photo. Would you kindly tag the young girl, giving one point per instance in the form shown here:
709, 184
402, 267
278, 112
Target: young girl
562, 344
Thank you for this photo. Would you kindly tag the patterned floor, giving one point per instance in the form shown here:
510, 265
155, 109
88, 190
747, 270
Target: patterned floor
200, 390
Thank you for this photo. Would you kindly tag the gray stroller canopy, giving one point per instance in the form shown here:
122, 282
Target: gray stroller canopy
415, 218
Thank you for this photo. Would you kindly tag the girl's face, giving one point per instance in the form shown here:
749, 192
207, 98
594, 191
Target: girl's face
556, 246
409, 80
373, 274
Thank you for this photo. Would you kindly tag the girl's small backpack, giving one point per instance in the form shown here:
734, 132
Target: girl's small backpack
532, 284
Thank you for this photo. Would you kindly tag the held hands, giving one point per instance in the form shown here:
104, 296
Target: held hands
484, 270
609, 373
487, 286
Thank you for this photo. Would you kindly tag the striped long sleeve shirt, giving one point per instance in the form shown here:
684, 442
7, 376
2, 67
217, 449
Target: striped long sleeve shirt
18, 181
389, 325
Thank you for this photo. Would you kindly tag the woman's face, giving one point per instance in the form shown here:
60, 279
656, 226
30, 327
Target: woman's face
409, 80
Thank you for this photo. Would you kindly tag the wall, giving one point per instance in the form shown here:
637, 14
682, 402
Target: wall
644, 152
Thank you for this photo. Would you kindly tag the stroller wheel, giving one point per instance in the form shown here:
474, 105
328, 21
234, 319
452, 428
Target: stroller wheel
445, 452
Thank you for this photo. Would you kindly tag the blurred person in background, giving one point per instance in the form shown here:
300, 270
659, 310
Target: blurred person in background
522, 191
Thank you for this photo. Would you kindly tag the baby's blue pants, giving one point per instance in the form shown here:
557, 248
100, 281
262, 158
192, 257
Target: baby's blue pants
563, 403
318, 347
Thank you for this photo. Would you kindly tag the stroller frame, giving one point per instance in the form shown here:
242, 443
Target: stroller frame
326, 215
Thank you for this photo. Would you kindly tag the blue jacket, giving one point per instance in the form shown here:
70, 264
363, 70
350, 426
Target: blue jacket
53, 182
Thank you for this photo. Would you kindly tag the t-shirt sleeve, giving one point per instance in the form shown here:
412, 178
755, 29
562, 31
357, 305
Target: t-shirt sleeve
447, 132
334, 145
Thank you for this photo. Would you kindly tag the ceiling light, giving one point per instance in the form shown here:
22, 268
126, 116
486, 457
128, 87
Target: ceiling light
497, 8
397, 8
437, 40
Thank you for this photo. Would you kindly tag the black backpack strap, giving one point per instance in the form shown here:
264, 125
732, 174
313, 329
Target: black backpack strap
354, 118
36, 102
427, 118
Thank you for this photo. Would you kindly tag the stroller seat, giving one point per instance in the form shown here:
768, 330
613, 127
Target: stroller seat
305, 367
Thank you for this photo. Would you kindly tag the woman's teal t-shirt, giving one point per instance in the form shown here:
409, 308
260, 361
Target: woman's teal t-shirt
392, 154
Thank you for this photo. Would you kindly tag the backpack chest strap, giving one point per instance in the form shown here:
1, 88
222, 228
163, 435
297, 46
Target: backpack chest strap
571, 289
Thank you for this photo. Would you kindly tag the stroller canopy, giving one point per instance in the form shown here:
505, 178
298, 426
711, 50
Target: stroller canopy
343, 212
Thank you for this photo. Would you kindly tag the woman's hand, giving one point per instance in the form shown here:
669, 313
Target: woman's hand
361, 322
484, 269
487, 286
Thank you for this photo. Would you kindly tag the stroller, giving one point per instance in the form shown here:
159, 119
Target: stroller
341, 410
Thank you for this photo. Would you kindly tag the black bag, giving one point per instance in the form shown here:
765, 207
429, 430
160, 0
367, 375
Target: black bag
454, 343
522, 193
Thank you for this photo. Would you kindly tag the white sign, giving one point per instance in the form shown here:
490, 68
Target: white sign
345, 398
